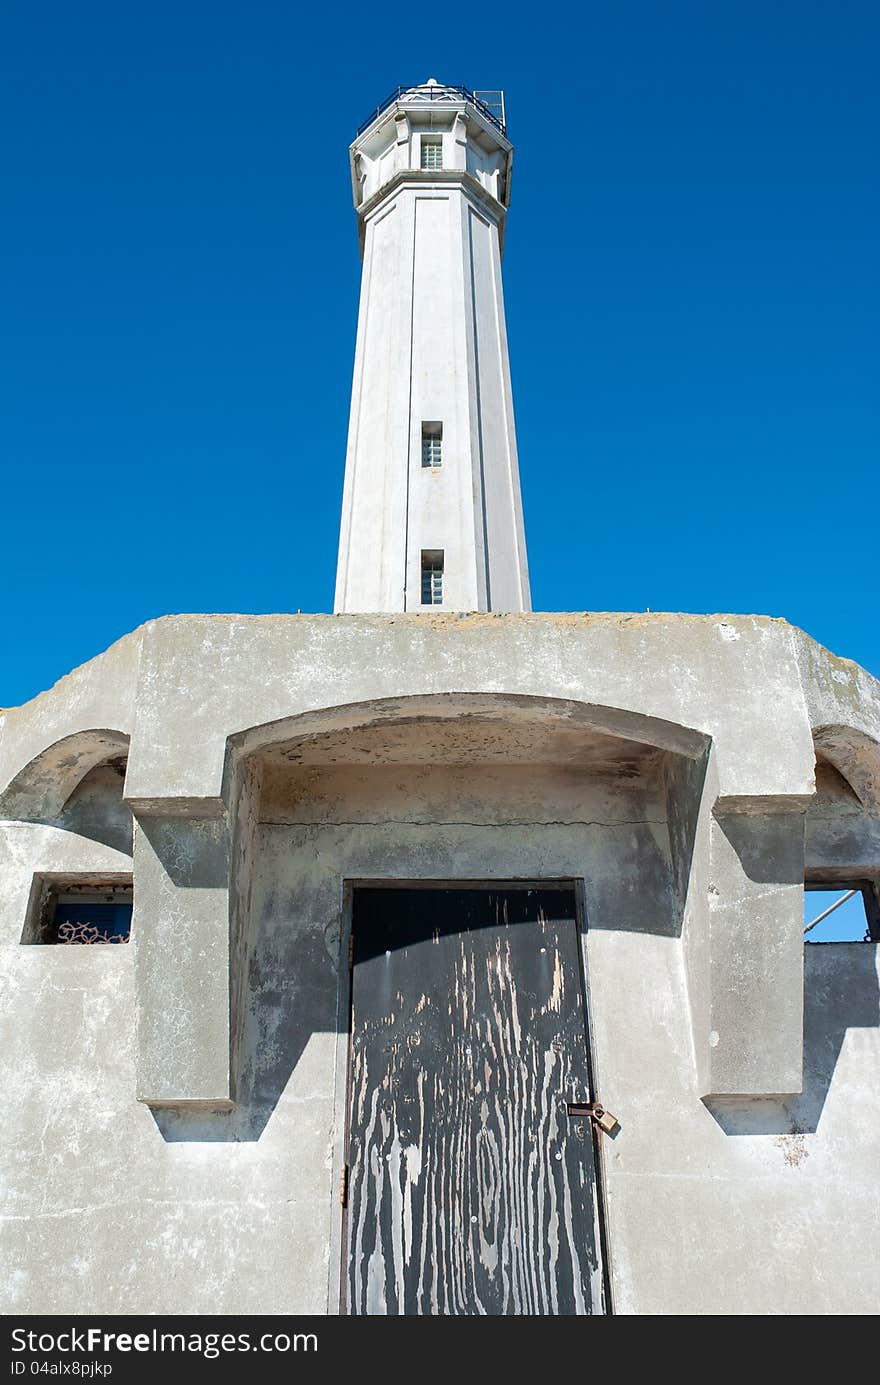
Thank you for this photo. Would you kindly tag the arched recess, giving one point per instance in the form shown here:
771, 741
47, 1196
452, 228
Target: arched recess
460, 735
856, 756
40, 790
468, 729
842, 839
536, 727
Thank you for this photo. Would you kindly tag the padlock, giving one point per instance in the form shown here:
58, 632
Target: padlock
603, 1118
597, 1113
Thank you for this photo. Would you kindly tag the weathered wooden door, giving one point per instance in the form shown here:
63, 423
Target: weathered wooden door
471, 1190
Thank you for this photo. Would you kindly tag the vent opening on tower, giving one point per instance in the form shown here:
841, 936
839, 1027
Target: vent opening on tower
432, 151
432, 577
432, 444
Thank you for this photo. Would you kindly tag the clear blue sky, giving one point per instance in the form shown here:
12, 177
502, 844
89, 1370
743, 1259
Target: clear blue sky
692, 294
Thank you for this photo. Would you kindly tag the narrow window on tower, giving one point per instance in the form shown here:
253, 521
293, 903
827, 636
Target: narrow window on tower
432, 577
432, 151
432, 444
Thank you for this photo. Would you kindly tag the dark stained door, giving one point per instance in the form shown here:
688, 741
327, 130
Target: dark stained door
471, 1190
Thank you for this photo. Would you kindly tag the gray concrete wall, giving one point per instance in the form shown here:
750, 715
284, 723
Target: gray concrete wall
749, 1207
511, 749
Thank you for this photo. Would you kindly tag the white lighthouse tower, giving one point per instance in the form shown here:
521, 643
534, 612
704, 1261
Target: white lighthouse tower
431, 512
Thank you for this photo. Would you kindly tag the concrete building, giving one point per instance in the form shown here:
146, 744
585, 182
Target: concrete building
414, 889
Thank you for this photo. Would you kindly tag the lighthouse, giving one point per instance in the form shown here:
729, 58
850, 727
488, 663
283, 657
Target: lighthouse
431, 512
405, 905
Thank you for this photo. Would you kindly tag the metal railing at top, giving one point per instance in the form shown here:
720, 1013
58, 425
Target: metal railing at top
489, 103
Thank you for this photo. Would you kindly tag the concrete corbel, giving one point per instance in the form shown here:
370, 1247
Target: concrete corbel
192, 932
181, 939
756, 949
738, 871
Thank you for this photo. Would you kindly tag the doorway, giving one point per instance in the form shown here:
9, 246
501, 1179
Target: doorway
470, 1190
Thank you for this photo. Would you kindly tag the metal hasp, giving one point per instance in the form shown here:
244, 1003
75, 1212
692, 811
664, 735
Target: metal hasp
470, 1192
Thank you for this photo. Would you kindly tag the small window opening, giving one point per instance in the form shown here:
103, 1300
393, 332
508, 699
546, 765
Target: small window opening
432, 577
432, 151
432, 444
841, 913
78, 913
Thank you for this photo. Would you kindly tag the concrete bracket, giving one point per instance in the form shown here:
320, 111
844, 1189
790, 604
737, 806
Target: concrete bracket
181, 941
756, 951
193, 936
